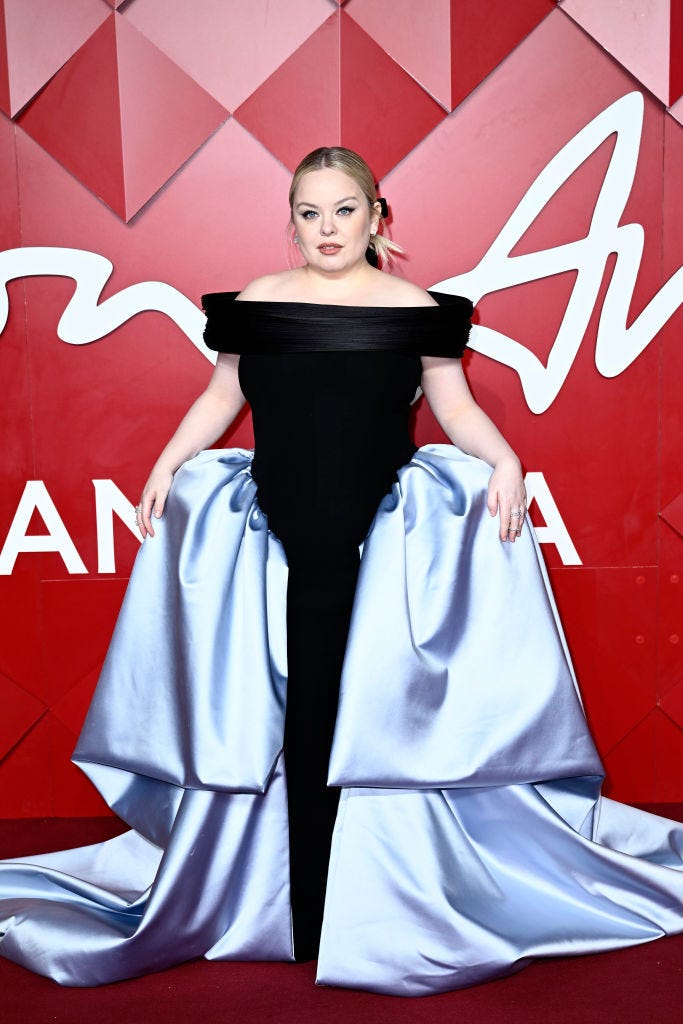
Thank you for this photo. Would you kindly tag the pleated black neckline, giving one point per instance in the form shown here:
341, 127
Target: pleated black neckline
264, 326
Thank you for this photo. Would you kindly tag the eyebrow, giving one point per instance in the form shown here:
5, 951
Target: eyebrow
344, 200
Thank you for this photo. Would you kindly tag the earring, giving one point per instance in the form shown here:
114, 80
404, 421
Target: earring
296, 239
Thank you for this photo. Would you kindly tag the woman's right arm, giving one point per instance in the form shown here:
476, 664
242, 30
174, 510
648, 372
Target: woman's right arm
205, 421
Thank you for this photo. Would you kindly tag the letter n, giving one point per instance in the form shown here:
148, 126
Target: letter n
109, 499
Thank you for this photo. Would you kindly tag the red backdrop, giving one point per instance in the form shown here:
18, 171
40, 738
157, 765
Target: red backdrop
531, 151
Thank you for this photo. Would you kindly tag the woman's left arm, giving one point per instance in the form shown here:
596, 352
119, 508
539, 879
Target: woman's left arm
468, 427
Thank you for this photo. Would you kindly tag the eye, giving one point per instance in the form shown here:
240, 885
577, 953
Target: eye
346, 210
309, 214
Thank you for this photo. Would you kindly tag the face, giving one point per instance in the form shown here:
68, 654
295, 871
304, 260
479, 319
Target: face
333, 221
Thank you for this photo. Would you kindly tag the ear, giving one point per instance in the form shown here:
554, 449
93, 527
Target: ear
374, 216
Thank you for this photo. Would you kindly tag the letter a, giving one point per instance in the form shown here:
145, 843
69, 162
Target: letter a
554, 532
36, 497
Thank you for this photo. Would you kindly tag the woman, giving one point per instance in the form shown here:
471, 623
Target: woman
335, 216
467, 838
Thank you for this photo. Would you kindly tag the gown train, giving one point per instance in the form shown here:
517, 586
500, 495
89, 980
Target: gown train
470, 834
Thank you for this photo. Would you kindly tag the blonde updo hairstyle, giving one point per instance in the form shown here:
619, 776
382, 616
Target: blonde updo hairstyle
338, 158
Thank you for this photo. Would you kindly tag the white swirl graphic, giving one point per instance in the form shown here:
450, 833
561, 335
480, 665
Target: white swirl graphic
617, 345
85, 319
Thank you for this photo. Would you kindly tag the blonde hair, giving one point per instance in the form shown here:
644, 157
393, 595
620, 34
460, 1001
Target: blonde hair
338, 158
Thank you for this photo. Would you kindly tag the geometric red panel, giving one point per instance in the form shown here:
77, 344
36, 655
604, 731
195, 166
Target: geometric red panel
75, 645
611, 617
85, 137
73, 792
5, 100
362, 99
671, 437
646, 765
676, 51
28, 790
21, 651
384, 112
676, 110
673, 514
122, 117
482, 35
671, 417
630, 767
245, 43
36, 39
672, 705
72, 707
275, 114
25, 784
20, 710
420, 45
670, 665
453, 49
668, 758
646, 39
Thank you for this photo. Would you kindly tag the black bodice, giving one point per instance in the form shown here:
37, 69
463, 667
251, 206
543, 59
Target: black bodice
330, 430
330, 388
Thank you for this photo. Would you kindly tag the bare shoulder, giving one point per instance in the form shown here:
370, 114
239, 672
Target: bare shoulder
399, 292
269, 288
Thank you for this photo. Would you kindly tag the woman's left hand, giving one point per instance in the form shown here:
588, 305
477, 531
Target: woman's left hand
507, 497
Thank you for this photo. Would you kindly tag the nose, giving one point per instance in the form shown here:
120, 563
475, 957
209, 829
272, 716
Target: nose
327, 226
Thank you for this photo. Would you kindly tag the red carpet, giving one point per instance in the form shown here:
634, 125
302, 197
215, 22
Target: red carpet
641, 985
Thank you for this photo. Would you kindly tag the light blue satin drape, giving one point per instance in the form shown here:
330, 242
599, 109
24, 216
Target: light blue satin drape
470, 835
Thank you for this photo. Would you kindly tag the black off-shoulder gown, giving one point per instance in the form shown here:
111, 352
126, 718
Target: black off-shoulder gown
321, 382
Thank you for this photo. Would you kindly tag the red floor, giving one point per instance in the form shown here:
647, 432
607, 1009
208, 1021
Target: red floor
641, 985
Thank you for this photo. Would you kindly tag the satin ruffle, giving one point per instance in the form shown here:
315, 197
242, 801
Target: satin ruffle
470, 835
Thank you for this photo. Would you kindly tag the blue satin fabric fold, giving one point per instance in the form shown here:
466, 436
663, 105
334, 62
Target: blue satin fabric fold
434, 890
193, 688
456, 671
470, 836
123, 908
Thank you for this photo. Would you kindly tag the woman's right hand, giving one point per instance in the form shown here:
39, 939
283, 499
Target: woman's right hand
205, 421
153, 499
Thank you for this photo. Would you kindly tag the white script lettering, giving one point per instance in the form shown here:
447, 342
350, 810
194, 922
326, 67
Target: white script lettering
84, 321
617, 346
